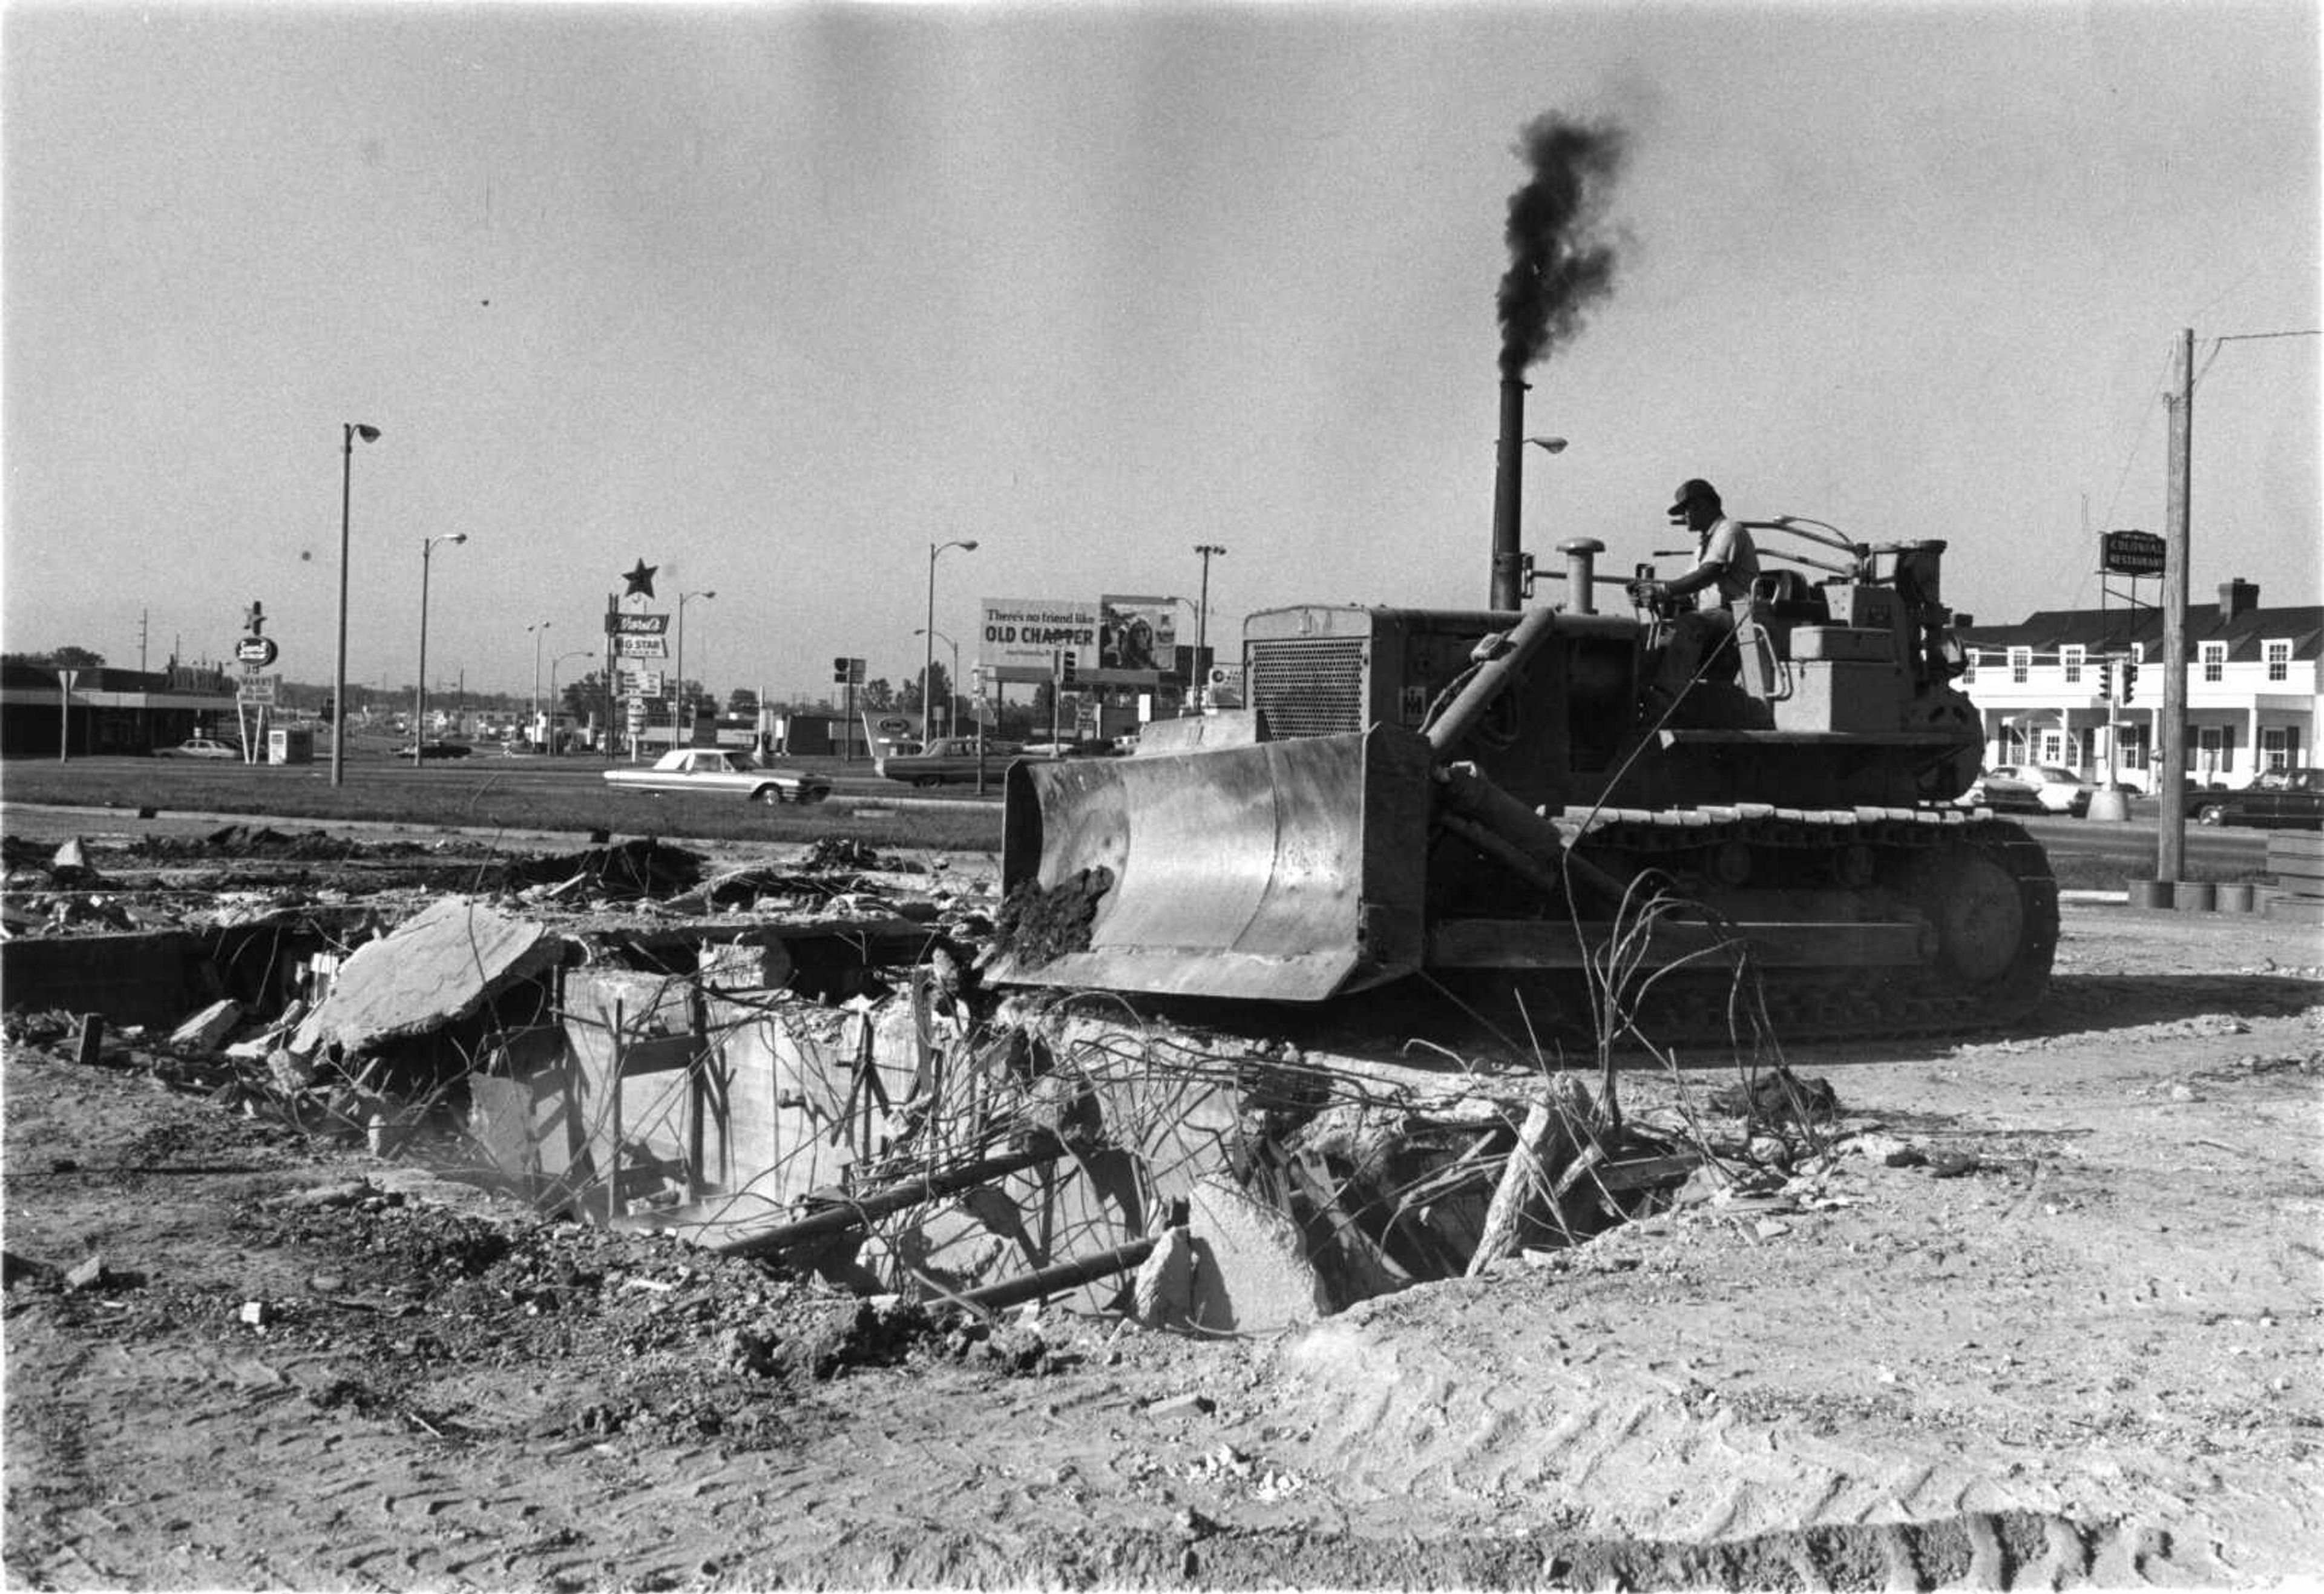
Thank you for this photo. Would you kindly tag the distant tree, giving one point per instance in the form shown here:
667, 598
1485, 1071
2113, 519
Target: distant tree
742, 703
940, 685
942, 693
62, 658
878, 697
1014, 722
585, 697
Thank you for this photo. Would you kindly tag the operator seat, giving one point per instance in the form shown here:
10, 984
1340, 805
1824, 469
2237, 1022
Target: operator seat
1779, 600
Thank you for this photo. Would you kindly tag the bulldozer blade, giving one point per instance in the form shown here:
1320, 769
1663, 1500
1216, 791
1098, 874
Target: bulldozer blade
1287, 871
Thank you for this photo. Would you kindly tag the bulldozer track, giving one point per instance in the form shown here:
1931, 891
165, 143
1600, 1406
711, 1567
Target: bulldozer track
1980, 881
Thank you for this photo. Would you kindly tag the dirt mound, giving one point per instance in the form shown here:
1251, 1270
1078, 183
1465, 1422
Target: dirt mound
250, 842
2088, 1359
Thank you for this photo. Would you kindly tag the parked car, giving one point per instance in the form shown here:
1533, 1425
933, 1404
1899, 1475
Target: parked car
948, 758
434, 750
199, 748
728, 770
2029, 788
2283, 800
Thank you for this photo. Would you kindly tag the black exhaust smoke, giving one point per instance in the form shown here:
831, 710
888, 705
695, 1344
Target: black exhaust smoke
1557, 269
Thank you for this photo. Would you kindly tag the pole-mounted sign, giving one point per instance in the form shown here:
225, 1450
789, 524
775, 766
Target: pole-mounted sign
2133, 553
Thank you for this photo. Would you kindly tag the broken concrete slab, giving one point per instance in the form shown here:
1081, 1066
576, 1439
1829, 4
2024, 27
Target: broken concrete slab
207, 1030
1163, 1295
434, 969
267, 1041
768, 1130
1252, 1274
636, 1085
744, 966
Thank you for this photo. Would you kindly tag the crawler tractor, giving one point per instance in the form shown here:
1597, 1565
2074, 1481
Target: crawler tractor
1496, 795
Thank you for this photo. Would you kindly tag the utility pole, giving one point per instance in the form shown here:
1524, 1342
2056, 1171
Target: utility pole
2171, 784
1202, 692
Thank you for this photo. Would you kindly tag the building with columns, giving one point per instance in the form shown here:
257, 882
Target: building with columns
2052, 689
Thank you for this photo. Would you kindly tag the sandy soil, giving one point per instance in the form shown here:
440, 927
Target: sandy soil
2082, 1349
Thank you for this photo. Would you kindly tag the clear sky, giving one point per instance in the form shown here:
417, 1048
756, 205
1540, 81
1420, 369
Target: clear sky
774, 297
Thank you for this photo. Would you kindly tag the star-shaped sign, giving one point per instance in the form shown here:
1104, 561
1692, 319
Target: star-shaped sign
641, 579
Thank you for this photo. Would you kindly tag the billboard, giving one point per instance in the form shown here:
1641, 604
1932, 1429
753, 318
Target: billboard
1136, 633
1027, 630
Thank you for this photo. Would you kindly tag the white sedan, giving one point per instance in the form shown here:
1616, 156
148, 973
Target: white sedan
2030, 788
724, 770
199, 748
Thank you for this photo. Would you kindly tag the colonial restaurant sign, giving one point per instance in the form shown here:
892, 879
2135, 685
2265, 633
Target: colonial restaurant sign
2133, 553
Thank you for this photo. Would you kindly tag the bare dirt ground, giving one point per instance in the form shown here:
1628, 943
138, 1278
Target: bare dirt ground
2075, 1343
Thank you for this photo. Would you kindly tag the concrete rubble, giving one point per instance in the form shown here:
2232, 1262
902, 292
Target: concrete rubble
800, 1065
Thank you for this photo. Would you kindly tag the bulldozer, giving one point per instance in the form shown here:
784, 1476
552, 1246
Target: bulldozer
1466, 797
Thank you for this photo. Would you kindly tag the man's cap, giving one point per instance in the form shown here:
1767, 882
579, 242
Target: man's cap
1694, 487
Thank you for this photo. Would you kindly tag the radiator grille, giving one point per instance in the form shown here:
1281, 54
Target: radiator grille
1309, 686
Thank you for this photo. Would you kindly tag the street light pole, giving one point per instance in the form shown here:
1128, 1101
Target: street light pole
952, 688
535, 727
1202, 615
929, 658
1584, 601
370, 435
683, 700
419, 704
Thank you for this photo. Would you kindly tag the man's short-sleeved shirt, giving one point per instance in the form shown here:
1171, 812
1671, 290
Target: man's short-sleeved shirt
1726, 543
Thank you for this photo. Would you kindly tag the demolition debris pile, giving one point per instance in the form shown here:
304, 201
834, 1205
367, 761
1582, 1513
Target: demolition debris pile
801, 1064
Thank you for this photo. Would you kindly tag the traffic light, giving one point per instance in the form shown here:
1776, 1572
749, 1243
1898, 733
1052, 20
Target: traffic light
2129, 677
2106, 681
1068, 667
839, 671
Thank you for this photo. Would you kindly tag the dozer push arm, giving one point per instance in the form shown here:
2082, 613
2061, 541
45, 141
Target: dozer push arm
1506, 655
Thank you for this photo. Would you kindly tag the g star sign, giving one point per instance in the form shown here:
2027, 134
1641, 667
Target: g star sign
641, 579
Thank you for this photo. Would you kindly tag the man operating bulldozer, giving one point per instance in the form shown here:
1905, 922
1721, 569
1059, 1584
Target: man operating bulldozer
1726, 563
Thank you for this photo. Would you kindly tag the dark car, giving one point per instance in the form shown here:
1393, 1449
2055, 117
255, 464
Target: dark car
435, 750
2280, 799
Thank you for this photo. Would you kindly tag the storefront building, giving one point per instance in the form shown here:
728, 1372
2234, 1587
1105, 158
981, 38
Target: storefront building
111, 710
2082, 689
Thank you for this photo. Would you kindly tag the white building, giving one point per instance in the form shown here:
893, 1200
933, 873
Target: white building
2052, 689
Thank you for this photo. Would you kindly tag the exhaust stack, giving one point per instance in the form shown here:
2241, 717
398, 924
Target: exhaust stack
1557, 268
1508, 479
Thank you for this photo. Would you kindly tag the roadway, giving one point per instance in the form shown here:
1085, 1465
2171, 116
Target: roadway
855, 779
2225, 851
2127, 847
